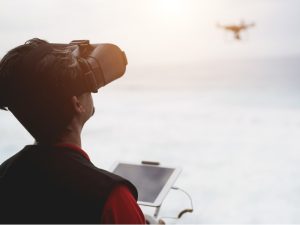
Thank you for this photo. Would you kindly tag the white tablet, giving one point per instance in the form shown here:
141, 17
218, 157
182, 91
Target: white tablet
153, 182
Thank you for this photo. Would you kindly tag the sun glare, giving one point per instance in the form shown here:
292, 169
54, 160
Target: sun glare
170, 8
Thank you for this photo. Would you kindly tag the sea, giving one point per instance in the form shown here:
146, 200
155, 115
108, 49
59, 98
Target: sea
232, 126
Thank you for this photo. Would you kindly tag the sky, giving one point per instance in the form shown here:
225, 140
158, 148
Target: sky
158, 31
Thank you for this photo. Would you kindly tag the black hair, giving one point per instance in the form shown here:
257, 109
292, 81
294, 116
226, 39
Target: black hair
34, 89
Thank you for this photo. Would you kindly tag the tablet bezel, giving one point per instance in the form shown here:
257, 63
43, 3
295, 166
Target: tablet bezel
164, 191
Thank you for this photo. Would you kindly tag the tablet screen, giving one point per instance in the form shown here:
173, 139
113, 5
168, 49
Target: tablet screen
149, 180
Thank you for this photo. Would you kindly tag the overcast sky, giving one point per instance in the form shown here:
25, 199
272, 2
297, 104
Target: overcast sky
158, 31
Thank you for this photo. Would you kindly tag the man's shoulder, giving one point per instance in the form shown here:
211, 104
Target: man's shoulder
8, 162
63, 165
75, 166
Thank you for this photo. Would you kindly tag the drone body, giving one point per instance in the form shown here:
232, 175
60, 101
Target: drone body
236, 29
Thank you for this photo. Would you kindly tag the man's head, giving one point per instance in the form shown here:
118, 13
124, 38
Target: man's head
35, 86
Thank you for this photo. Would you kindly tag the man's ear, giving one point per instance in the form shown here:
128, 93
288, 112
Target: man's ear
76, 104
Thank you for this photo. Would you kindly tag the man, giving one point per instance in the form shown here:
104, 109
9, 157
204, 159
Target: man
53, 181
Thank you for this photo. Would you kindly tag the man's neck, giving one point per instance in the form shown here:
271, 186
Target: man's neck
72, 135
71, 138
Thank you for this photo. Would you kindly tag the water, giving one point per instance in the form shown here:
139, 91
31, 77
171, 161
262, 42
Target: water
232, 126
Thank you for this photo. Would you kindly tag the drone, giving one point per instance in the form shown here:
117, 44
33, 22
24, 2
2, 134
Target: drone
236, 29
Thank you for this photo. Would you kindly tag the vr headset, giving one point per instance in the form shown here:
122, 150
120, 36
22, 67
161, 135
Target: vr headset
99, 64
